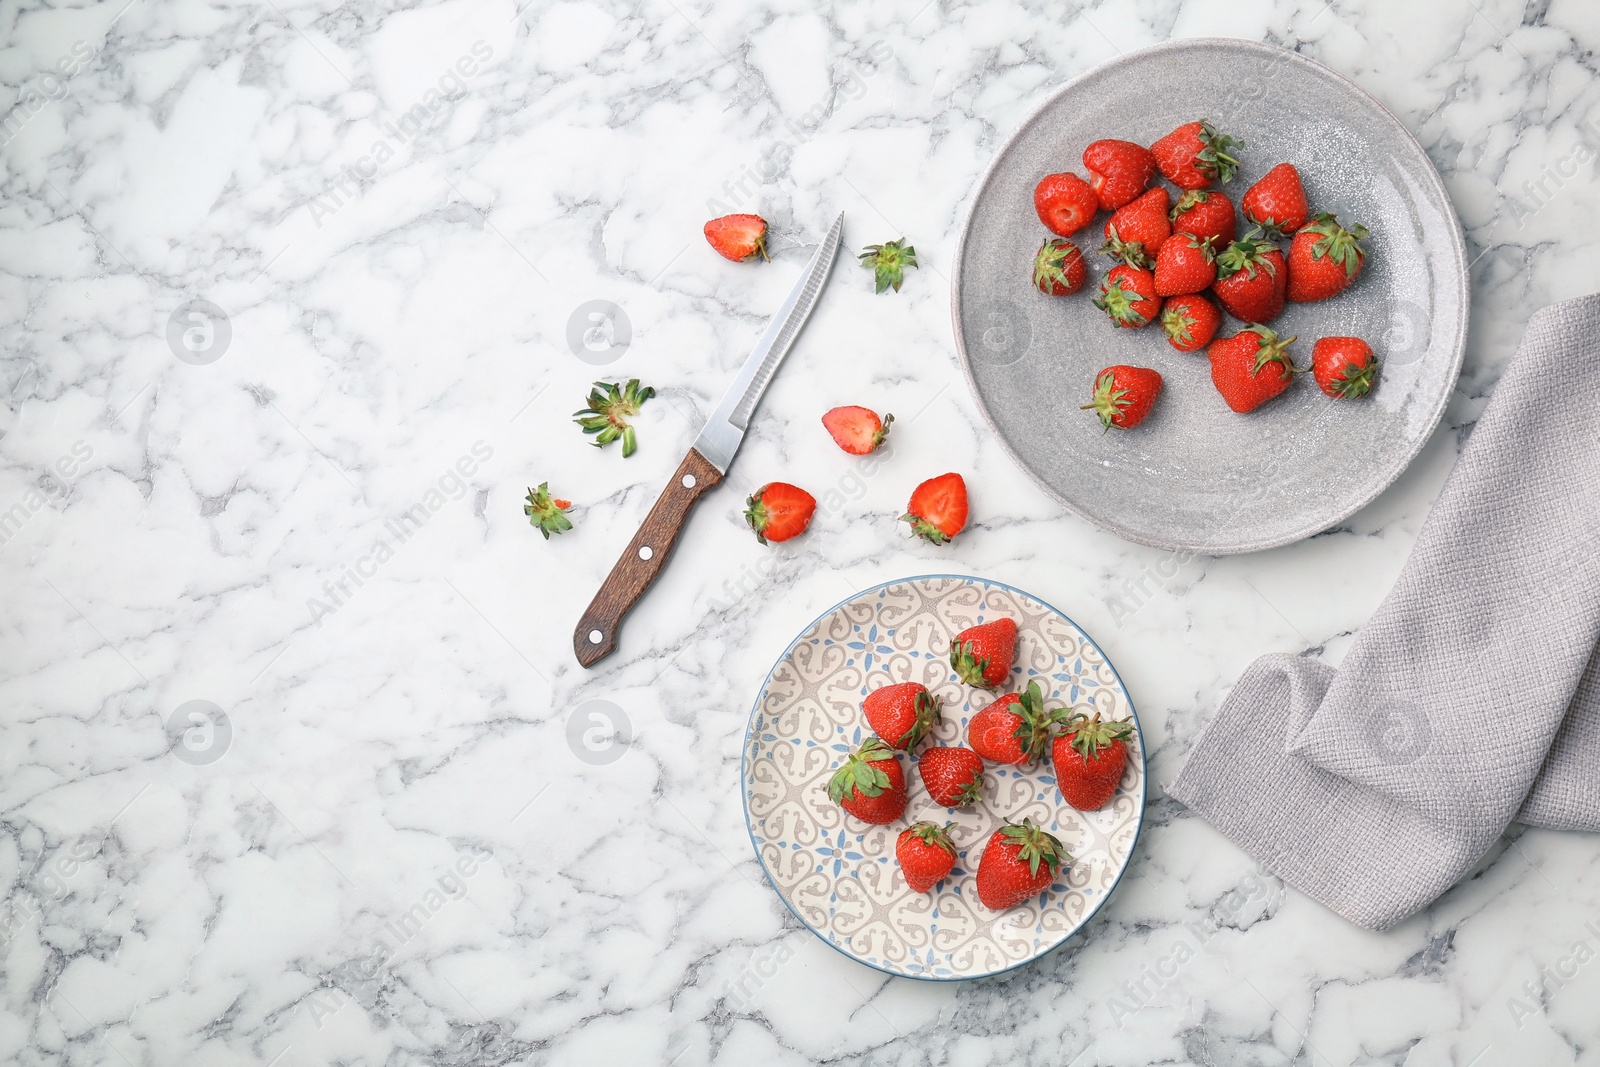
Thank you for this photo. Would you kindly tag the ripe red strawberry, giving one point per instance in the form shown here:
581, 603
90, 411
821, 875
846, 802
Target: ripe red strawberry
1088, 757
1190, 322
1184, 265
1128, 295
1065, 203
1136, 232
1194, 155
1014, 729
1020, 861
738, 237
954, 776
1058, 269
926, 854
1205, 213
982, 655
1124, 395
1251, 367
1118, 171
938, 508
1252, 279
1344, 366
1324, 257
1277, 203
857, 430
778, 511
901, 714
870, 784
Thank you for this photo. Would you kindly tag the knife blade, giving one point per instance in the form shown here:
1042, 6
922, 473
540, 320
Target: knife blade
705, 465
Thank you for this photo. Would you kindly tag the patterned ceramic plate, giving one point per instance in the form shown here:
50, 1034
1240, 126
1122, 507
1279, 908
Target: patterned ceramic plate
1195, 476
838, 875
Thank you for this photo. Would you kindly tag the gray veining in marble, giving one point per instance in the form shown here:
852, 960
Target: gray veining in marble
422, 842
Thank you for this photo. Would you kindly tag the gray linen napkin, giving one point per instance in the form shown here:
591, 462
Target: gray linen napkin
1471, 699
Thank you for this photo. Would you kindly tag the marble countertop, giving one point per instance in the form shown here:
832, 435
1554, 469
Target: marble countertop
298, 767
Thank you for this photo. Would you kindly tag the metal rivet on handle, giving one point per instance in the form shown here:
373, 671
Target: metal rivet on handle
645, 551
595, 637
688, 481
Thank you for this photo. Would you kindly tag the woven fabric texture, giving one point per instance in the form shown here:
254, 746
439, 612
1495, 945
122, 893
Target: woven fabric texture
1471, 699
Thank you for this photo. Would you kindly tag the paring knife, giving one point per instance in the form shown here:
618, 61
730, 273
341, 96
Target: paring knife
704, 466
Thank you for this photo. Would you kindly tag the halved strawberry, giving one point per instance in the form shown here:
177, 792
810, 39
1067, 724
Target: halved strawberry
738, 237
938, 508
857, 430
778, 511
982, 655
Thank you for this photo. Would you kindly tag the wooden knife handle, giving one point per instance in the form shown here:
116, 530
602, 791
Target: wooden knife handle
596, 635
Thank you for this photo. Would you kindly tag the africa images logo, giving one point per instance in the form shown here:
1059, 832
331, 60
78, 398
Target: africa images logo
199, 332
199, 732
599, 332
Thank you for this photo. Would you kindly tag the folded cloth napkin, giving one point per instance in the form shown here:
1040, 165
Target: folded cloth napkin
1472, 698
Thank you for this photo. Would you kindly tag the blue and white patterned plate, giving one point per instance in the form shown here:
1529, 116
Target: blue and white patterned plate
839, 875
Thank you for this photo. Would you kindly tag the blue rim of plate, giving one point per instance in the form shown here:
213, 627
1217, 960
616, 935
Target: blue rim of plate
744, 796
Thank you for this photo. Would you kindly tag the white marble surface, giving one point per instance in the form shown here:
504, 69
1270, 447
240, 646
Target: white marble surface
398, 300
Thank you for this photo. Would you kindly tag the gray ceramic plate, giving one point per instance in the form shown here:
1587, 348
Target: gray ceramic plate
1195, 476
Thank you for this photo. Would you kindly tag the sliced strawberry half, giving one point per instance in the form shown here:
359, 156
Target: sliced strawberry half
738, 237
778, 511
857, 430
938, 508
